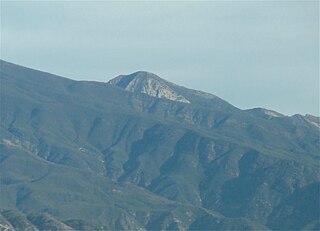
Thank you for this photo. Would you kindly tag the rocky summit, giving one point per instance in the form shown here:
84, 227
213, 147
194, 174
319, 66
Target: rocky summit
148, 83
141, 153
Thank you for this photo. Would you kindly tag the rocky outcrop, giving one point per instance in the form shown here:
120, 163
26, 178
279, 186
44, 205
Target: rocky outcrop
148, 83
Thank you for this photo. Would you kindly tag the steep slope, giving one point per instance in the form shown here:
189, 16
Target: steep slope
198, 165
71, 193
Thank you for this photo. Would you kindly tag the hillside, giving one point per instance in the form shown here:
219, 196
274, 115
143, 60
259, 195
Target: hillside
141, 153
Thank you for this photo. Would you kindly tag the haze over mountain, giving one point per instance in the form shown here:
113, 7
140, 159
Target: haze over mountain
141, 153
250, 53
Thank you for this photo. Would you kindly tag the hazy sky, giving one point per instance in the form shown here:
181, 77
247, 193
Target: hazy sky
250, 53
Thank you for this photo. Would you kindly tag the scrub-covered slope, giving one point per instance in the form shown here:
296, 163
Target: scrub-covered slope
105, 155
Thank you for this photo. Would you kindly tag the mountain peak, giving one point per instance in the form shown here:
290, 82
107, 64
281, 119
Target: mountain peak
145, 74
148, 83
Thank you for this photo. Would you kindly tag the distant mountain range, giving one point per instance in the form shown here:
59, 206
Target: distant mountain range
141, 153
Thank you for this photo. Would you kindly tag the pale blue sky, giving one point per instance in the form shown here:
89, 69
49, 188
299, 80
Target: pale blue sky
250, 53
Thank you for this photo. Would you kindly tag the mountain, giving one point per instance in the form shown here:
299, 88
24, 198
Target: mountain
150, 84
141, 153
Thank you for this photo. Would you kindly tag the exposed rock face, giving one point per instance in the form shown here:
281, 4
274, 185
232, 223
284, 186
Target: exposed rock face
314, 120
265, 113
272, 113
148, 83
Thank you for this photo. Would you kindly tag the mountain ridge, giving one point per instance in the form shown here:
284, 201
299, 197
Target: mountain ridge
125, 160
3, 62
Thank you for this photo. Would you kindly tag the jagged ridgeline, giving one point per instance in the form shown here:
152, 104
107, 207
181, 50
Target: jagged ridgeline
141, 153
